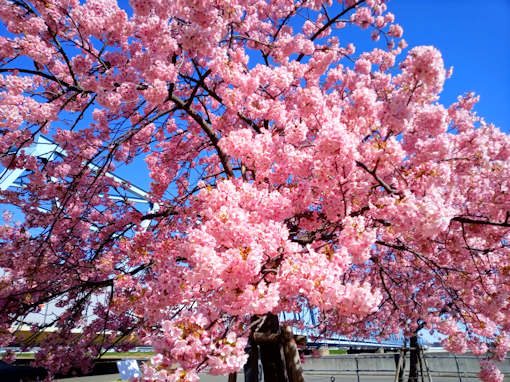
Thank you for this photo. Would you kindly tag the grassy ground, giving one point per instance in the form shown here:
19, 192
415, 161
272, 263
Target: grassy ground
141, 354
337, 351
24, 355
109, 355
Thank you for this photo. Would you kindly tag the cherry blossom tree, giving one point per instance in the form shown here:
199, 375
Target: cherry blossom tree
289, 171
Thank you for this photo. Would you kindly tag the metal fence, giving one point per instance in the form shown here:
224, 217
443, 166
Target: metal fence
431, 367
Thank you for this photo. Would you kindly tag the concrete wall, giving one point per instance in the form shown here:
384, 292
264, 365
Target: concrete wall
442, 363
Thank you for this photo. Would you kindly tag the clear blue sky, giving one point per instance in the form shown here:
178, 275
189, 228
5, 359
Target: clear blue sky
474, 38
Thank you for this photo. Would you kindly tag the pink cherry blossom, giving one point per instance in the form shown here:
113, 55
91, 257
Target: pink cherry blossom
287, 171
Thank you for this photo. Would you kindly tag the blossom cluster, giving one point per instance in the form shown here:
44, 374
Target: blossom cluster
288, 171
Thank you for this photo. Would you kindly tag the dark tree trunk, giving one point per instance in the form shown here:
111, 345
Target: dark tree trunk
292, 359
277, 350
413, 358
271, 352
251, 368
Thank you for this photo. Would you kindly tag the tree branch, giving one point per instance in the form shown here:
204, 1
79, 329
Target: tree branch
466, 220
207, 130
382, 183
329, 23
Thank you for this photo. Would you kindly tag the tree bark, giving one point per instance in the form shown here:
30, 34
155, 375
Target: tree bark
279, 353
251, 368
292, 360
413, 358
270, 351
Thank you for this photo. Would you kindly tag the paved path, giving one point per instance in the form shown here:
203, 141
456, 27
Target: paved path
94, 378
309, 377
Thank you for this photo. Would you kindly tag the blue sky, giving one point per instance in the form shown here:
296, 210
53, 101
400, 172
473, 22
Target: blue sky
474, 38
